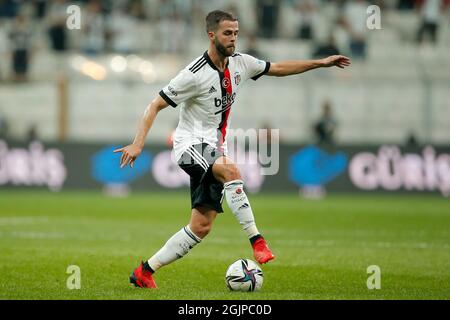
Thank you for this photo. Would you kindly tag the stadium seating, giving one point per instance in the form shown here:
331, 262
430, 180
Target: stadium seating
400, 88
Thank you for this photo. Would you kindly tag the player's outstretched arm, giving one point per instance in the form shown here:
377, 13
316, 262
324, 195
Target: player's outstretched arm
287, 68
132, 151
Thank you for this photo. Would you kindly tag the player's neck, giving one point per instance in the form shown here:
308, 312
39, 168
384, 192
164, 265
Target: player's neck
218, 59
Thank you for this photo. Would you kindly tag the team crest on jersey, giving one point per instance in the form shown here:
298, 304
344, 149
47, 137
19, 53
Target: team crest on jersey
225, 83
237, 78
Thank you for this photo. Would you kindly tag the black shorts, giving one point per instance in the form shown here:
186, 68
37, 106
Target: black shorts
197, 162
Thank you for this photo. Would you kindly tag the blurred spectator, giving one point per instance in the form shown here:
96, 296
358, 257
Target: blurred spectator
326, 49
233, 8
123, 27
325, 128
411, 141
171, 27
21, 48
185, 9
267, 138
307, 13
94, 28
405, 5
137, 10
9, 8
3, 46
107, 6
268, 12
40, 9
32, 134
252, 47
203, 7
354, 19
176, 41
430, 12
3, 127
166, 9
57, 17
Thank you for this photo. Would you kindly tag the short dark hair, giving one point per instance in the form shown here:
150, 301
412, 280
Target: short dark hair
215, 17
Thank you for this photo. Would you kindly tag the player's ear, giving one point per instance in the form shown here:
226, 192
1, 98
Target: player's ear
211, 35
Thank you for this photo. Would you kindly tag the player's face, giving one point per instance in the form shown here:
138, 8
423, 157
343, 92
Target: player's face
225, 37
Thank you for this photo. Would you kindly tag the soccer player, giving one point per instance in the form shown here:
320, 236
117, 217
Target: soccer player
204, 92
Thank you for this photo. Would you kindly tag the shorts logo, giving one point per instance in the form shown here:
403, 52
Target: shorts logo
237, 78
238, 190
225, 83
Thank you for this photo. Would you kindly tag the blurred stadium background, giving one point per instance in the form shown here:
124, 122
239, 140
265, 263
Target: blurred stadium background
371, 137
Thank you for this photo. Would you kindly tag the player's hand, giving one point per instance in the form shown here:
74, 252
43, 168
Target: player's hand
336, 60
129, 155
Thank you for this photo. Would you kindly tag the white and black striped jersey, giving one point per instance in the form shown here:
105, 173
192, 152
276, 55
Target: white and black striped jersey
206, 96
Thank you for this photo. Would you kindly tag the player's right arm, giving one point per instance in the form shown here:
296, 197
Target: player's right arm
132, 151
180, 89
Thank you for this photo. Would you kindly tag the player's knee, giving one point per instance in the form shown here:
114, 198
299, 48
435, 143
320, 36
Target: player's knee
201, 230
232, 173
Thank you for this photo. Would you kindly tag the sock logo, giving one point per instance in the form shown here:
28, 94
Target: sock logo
235, 199
238, 190
244, 206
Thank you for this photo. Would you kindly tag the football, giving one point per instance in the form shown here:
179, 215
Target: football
244, 275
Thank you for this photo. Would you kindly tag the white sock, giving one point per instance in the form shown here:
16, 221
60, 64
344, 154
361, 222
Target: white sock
240, 206
175, 248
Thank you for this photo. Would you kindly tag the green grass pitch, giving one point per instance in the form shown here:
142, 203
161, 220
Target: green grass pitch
323, 248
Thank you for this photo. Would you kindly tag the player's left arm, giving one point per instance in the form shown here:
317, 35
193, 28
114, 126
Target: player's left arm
291, 67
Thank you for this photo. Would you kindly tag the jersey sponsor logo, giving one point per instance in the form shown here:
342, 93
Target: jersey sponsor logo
225, 83
223, 110
226, 101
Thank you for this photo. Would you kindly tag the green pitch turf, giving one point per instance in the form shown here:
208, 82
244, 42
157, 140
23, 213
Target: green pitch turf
323, 247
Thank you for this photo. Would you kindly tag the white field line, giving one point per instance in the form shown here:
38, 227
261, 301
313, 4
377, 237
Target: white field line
17, 221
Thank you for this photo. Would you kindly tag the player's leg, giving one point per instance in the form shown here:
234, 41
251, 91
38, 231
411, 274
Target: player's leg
205, 203
202, 219
226, 172
185, 239
176, 247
